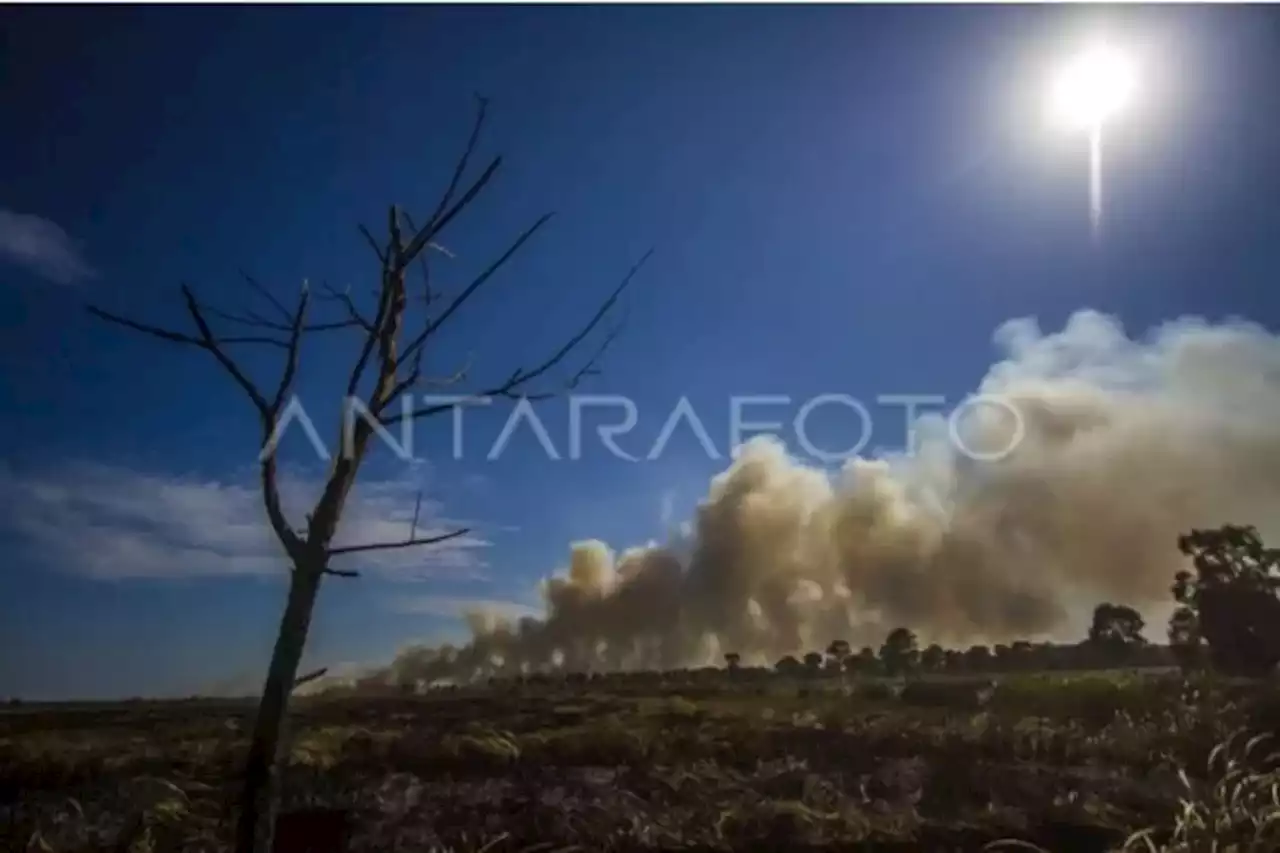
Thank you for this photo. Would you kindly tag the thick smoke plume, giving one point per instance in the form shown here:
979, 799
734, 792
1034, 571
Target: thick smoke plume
1126, 443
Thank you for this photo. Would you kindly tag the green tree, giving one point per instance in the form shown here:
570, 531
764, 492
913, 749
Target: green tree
1116, 630
1185, 643
1234, 597
900, 652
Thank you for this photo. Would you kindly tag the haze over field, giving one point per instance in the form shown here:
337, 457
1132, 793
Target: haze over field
1128, 441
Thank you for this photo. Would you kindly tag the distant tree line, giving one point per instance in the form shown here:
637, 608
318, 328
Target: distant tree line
1227, 619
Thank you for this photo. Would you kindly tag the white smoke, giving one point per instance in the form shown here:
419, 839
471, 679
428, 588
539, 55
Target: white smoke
1125, 444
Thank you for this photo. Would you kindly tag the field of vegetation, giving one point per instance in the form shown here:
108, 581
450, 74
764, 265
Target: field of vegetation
696, 761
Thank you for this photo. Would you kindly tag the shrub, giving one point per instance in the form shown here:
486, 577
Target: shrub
1236, 809
948, 694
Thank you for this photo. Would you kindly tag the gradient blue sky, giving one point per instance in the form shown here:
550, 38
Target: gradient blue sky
841, 200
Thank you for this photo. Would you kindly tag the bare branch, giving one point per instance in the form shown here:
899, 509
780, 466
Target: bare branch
206, 341
271, 502
408, 543
384, 312
377, 250
310, 676
482, 108
248, 318
254, 321
470, 289
444, 214
351, 323
395, 251
267, 412
373, 329
266, 294
592, 323
591, 366
513, 387
457, 377
291, 362
155, 331
434, 227
178, 337
342, 573
212, 345
415, 378
427, 296
353, 314
270, 484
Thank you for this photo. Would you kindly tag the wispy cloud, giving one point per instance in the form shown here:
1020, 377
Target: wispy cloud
476, 482
667, 509
42, 247
111, 522
458, 606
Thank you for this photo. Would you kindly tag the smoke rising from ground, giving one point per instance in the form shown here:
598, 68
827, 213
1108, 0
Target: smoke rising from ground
1128, 442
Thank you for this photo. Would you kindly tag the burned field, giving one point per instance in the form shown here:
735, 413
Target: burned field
1068, 763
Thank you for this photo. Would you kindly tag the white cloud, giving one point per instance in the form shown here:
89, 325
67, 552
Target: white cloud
110, 522
42, 247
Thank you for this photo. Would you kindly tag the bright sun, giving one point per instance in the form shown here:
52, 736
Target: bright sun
1092, 88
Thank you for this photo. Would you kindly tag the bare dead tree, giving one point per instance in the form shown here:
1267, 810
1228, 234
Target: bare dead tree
390, 364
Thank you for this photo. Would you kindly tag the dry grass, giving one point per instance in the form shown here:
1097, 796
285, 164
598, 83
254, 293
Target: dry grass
1062, 764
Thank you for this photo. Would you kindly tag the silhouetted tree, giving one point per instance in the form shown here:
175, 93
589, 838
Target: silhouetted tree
813, 662
1185, 642
978, 658
1116, 630
1233, 596
1047, 656
788, 665
1022, 655
899, 653
732, 660
864, 662
932, 657
838, 651
386, 374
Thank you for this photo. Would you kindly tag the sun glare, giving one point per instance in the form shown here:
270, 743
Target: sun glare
1092, 88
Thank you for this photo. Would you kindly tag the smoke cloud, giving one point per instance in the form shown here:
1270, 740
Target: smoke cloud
1125, 443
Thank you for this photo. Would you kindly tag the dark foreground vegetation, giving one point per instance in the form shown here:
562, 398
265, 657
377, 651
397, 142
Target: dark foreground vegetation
1067, 761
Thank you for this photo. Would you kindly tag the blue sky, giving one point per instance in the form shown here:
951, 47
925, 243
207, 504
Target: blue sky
841, 200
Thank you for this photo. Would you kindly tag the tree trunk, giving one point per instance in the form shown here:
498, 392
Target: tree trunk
260, 792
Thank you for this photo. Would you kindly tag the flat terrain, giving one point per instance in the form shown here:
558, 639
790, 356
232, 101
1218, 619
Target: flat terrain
704, 762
